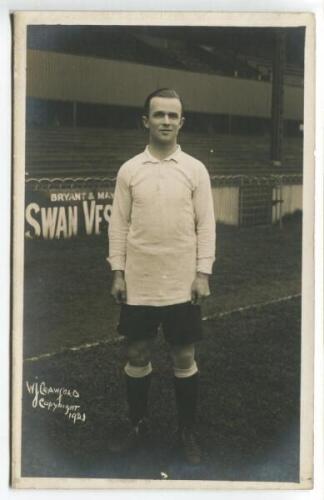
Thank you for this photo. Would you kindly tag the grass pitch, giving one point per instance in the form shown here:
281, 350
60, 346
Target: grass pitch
248, 419
249, 364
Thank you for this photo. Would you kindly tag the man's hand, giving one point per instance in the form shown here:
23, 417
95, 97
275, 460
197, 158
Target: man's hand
200, 288
118, 289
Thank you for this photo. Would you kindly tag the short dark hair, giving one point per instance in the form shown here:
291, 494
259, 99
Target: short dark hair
164, 92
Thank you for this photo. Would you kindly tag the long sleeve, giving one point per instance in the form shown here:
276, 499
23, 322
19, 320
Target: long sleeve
205, 223
119, 223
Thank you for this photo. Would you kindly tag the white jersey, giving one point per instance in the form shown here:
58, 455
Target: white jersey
162, 228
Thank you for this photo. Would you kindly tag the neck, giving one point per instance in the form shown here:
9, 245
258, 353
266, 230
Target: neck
161, 151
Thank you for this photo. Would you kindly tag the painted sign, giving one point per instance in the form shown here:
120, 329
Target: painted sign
67, 213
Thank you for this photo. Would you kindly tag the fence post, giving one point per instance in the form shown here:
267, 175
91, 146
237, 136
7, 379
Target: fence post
241, 182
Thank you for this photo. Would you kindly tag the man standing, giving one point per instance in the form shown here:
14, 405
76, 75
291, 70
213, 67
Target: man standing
161, 251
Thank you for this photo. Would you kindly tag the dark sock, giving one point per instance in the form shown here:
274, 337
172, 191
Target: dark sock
137, 395
186, 390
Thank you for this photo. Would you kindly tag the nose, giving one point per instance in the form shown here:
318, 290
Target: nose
166, 119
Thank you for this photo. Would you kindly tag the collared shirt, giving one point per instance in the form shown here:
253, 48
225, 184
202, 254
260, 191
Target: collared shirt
162, 227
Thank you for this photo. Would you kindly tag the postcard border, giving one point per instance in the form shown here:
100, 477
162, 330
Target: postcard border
248, 19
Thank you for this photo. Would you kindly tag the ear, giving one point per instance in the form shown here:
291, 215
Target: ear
145, 121
182, 120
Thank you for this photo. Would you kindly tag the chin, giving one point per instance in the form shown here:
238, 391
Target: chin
166, 139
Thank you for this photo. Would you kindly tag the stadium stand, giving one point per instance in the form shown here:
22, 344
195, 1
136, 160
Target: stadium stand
74, 139
163, 49
68, 151
101, 43
228, 62
293, 74
200, 58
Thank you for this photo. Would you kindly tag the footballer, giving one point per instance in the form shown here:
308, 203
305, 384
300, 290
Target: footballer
161, 252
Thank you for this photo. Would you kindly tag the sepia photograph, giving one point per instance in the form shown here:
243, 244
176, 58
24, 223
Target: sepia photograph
162, 250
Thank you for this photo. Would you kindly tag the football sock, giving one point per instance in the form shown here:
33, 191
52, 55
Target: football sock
186, 390
185, 372
138, 371
137, 389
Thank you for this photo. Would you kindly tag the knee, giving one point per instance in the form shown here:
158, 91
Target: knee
138, 354
183, 358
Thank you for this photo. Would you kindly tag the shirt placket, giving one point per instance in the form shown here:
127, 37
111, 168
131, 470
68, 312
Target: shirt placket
163, 265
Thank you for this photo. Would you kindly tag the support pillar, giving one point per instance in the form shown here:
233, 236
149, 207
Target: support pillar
277, 105
74, 118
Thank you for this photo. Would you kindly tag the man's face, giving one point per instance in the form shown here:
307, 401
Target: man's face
164, 120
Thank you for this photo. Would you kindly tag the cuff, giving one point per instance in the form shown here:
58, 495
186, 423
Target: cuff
116, 263
205, 265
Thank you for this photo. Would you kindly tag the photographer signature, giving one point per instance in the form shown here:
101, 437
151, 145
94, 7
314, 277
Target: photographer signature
56, 399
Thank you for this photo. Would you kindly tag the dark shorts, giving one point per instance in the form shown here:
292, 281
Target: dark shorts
181, 323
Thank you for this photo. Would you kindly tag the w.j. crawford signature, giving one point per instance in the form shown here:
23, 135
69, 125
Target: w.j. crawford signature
56, 399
